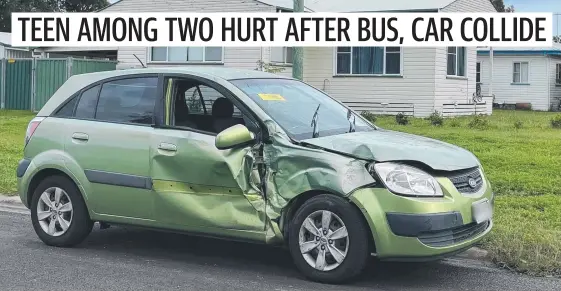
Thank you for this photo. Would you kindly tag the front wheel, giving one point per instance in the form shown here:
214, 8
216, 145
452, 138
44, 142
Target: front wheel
58, 212
328, 240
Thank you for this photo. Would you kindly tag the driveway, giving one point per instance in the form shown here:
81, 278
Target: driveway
126, 258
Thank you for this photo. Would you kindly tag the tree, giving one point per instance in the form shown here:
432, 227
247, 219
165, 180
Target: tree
83, 5
9, 6
500, 6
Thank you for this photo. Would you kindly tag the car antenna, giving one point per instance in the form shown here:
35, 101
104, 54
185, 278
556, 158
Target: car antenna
139, 61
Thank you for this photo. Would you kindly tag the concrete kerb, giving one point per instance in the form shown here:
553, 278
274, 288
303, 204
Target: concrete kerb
13, 200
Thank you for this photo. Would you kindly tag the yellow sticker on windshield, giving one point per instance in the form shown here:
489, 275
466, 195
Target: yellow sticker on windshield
271, 97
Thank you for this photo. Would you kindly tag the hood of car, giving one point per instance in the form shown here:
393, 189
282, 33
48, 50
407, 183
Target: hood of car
385, 145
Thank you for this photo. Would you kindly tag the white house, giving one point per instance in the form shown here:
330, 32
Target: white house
386, 80
522, 75
7, 51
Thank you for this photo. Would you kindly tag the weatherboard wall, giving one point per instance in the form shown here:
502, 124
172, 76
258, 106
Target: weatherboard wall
415, 85
238, 57
536, 91
555, 88
449, 89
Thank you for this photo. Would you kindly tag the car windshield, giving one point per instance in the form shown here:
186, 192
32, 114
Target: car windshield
301, 110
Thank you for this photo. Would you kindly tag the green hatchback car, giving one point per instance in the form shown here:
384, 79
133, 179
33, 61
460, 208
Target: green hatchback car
246, 155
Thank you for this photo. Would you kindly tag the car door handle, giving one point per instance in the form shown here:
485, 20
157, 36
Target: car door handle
80, 136
167, 147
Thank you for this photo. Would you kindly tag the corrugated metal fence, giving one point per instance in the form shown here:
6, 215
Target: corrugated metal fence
50, 74
17, 84
27, 84
2, 66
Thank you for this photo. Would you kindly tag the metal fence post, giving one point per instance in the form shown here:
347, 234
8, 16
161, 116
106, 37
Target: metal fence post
2, 83
69, 62
33, 83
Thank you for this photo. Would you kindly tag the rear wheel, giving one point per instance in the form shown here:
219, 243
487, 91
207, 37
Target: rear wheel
328, 240
58, 212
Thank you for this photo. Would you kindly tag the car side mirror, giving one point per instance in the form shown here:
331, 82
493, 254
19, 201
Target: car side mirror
235, 136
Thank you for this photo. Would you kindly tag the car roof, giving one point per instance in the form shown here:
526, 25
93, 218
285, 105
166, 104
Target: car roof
78, 82
203, 71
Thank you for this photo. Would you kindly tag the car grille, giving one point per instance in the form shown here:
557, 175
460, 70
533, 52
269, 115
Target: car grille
453, 236
462, 181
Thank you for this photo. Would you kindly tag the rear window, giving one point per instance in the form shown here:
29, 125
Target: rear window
87, 103
68, 109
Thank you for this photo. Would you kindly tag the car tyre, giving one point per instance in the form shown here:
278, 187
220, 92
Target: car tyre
354, 247
72, 223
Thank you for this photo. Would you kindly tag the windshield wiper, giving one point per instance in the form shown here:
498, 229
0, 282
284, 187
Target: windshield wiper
315, 132
352, 124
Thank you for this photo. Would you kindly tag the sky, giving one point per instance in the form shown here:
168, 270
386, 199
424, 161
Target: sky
540, 6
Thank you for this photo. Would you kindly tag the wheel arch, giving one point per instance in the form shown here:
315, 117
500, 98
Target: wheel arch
297, 202
42, 175
49, 163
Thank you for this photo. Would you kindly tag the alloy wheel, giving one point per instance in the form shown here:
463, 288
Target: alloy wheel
323, 240
54, 211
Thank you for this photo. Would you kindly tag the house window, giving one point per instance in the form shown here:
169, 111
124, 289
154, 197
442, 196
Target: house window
478, 73
281, 55
186, 54
368, 61
520, 73
456, 61
558, 74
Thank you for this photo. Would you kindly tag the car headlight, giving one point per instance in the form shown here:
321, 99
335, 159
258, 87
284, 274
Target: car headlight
407, 180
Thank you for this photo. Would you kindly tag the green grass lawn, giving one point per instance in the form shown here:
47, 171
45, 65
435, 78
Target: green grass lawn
12, 134
523, 164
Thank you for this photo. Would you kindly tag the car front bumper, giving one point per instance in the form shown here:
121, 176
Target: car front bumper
420, 229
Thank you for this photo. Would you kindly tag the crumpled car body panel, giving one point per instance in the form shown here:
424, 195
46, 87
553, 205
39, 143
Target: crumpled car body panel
385, 145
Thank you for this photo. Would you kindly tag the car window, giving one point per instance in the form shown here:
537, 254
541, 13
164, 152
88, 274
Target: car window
129, 100
68, 109
88, 101
193, 100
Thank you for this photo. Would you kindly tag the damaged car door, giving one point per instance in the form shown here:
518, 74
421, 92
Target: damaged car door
198, 187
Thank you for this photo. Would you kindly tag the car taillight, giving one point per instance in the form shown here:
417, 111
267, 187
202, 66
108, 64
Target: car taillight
31, 127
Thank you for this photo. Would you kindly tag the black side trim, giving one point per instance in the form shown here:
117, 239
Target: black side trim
118, 179
405, 224
22, 167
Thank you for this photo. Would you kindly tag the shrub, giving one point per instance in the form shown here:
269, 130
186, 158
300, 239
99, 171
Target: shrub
454, 122
436, 118
369, 116
479, 122
518, 124
556, 121
401, 119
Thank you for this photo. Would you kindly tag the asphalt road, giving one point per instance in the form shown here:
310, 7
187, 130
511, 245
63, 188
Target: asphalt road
136, 259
